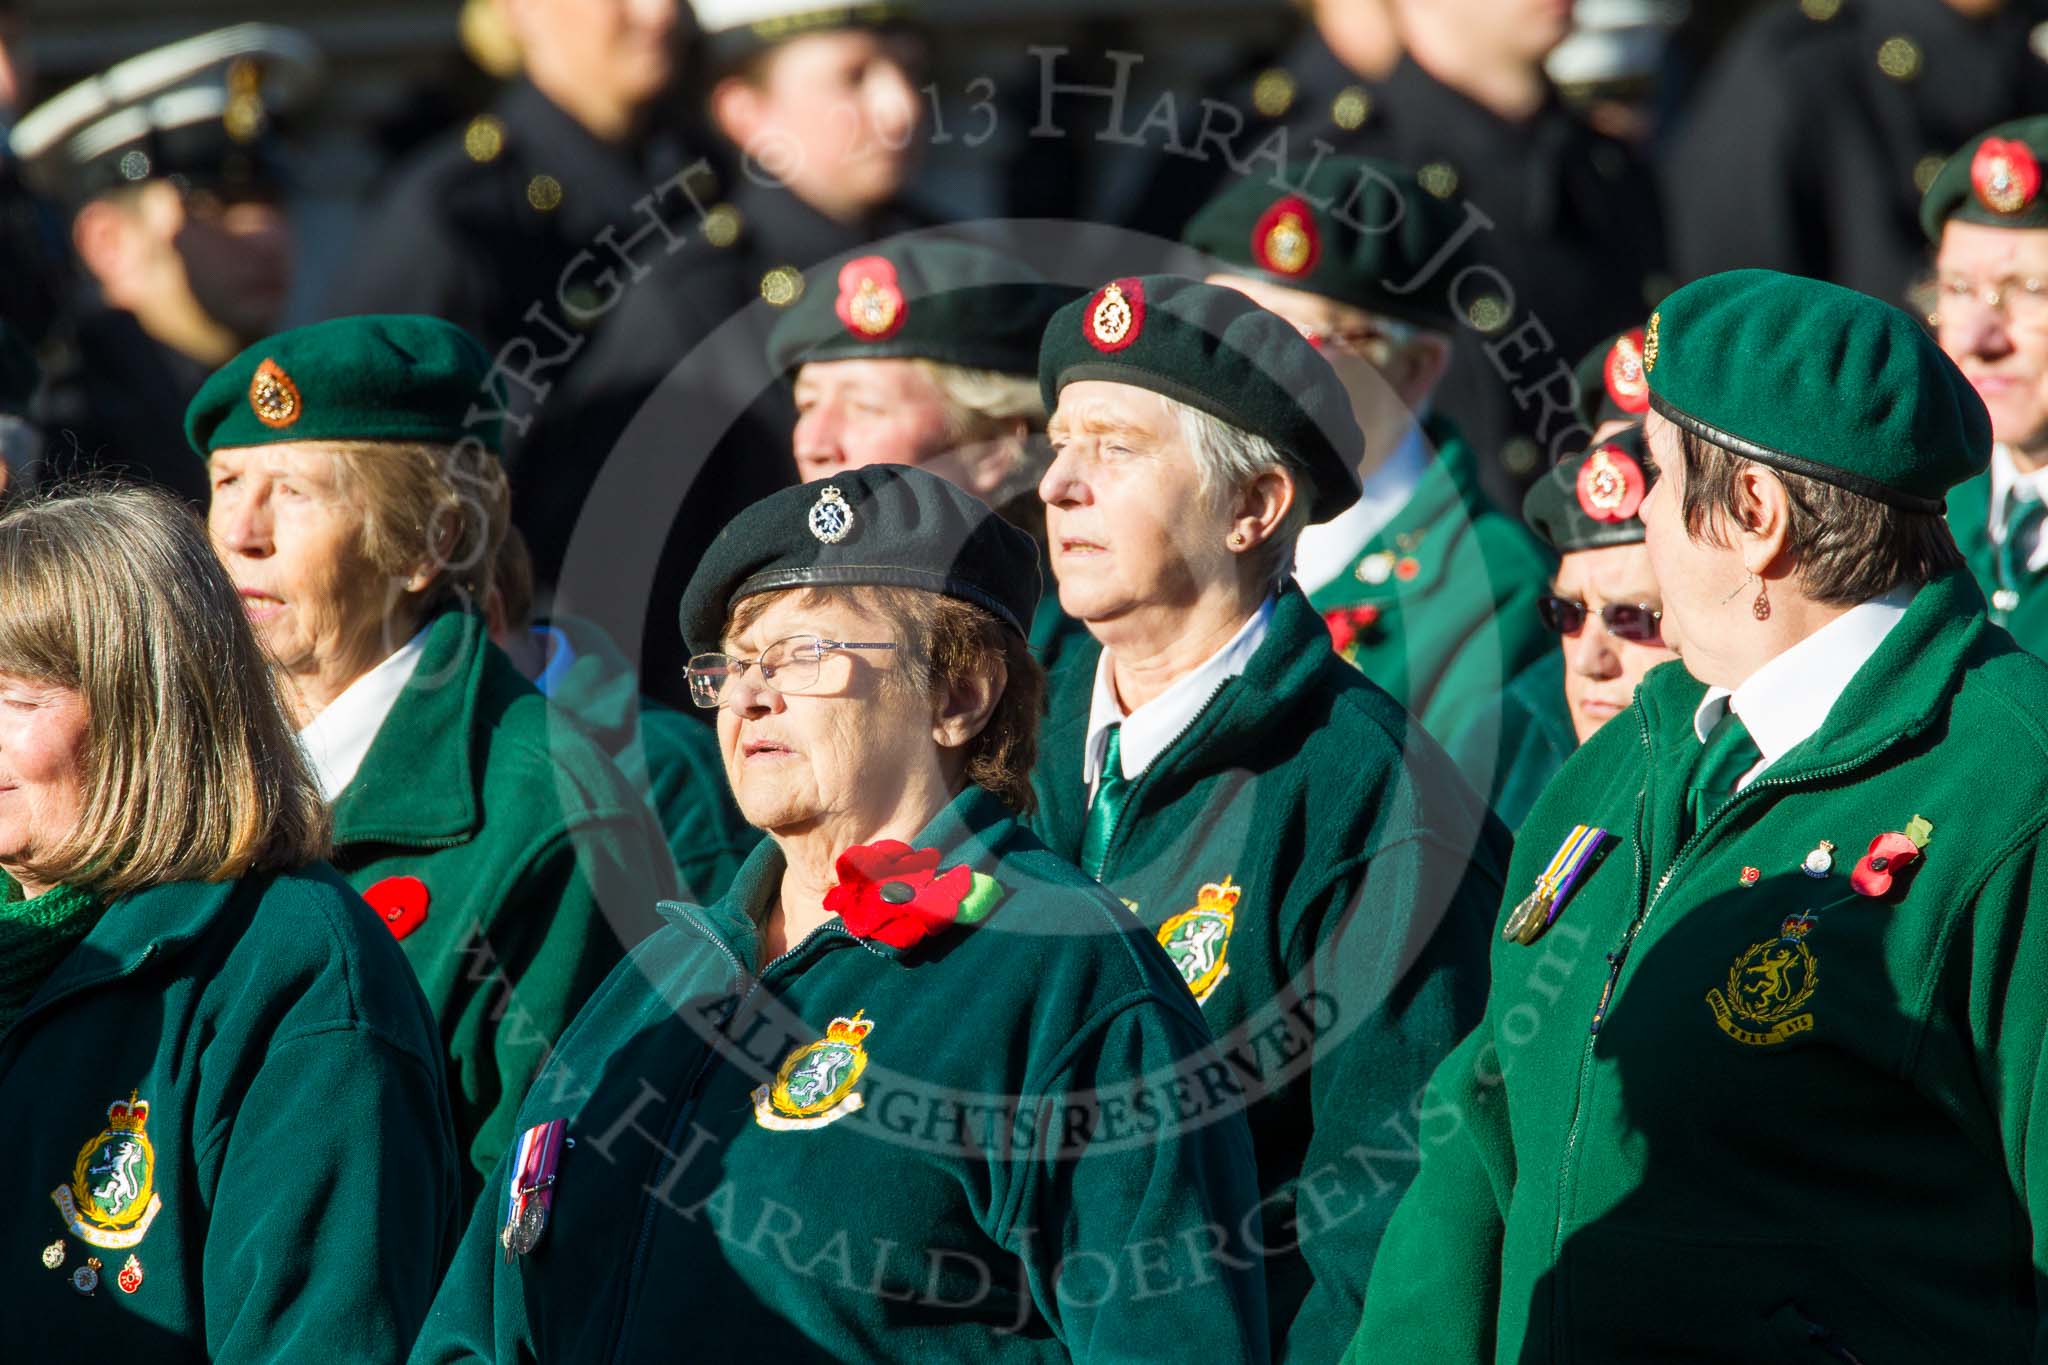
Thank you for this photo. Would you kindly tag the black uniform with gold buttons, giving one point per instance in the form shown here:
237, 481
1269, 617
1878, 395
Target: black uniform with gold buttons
1823, 122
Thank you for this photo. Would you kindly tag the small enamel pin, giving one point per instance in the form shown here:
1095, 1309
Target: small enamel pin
1752, 875
1567, 868
831, 516
531, 1195
86, 1278
130, 1278
54, 1254
1889, 856
1821, 861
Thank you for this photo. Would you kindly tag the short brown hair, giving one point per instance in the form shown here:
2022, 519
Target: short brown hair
1847, 548
439, 504
192, 771
947, 641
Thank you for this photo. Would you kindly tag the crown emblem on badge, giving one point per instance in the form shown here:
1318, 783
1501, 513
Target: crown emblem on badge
871, 303
1115, 316
129, 1115
1217, 897
1285, 240
1796, 927
244, 117
1650, 343
1611, 485
273, 397
1625, 375
850, 1031
831, 516
2005, 174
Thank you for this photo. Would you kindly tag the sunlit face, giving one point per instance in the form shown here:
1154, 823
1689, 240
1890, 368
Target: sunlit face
1526, 29
1701, 582
835, 118
1601, 670
2002, 351
844, 750
44, 729
292, 542
628, 48
1127, 524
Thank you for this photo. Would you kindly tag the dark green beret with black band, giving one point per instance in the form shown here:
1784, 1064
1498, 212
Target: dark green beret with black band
1594, 499
951, 302
1215, 350
1995, 180
891, 526
1818, 380
20, 376
388, 377
1612, 386
1347, 228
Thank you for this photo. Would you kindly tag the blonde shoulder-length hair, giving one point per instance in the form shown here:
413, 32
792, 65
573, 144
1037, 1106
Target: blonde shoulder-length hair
192, 772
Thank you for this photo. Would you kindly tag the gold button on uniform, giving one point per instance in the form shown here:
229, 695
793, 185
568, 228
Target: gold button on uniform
1273, 93
782, 286
484, 138
1820, 11
544, 192
1351, 108
1440, 178
722, 225
1899, 58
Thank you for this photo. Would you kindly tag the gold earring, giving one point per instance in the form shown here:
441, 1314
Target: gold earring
1761, 608
1237, 540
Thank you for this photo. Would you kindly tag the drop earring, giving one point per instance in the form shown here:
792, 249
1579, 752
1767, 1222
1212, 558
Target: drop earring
1761, 608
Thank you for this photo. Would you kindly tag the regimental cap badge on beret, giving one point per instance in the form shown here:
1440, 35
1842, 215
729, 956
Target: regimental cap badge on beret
2005, 175
1627, 383
1611, 485
1115, 315
1285, 240
1650, 346
273, 397
831, 516
871, 302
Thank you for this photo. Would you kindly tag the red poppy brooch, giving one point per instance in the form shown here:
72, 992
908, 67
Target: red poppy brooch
1889, 856
896, 894
1347, 624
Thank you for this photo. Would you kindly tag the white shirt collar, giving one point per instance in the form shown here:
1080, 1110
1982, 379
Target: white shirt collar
1783, 703
2005, 480
339, 737
1324, 552
1148, 730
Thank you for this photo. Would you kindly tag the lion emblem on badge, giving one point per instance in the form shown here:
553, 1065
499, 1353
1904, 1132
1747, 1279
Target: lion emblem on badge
1768, 987
815, 1085
112, 1199
1198, 940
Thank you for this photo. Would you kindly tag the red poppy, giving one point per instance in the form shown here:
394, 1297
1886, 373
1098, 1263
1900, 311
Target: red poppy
2005, 174
1889, 855
895, 894
401, 902
1348, 623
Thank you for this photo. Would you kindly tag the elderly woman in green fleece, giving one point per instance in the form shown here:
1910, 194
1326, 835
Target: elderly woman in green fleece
227, 1135
1306, 854
358, 513
913, 1086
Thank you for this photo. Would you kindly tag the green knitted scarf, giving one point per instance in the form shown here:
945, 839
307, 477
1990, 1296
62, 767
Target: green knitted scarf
36, 935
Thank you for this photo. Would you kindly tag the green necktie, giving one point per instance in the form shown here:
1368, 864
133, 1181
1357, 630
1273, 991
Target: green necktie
1111, 788
1728, 753
2022, 527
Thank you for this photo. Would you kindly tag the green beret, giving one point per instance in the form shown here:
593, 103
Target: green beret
1351, 229
1994, 180
19, 374
1818, 380
952, 302
395, 377
883, 525
1612, 386
1593, 499
1213, 349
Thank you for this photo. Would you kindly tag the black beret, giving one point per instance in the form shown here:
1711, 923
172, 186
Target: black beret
1213, 349
1593, 499
881, 525
953, 302
1613, 386
1348, 228
1994, 180
19, 374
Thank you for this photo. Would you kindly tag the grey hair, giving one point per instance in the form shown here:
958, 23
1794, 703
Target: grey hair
1226, 459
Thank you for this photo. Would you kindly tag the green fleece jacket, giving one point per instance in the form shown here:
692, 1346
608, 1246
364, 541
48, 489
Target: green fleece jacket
230, 1096
992, 1146
509, 857
1969, 517
1307, 856
1811, 1124
1439, 608
1534, 738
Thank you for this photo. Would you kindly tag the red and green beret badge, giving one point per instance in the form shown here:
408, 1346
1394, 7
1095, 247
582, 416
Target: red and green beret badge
870, 302
1115, 315
273, 397
1611, 485
1285, 240
1627, 382
2005, 174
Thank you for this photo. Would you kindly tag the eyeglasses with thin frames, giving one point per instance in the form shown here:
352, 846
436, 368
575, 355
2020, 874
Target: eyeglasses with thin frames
791, 666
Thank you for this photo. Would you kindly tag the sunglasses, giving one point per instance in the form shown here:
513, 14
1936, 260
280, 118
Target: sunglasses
1641, 624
